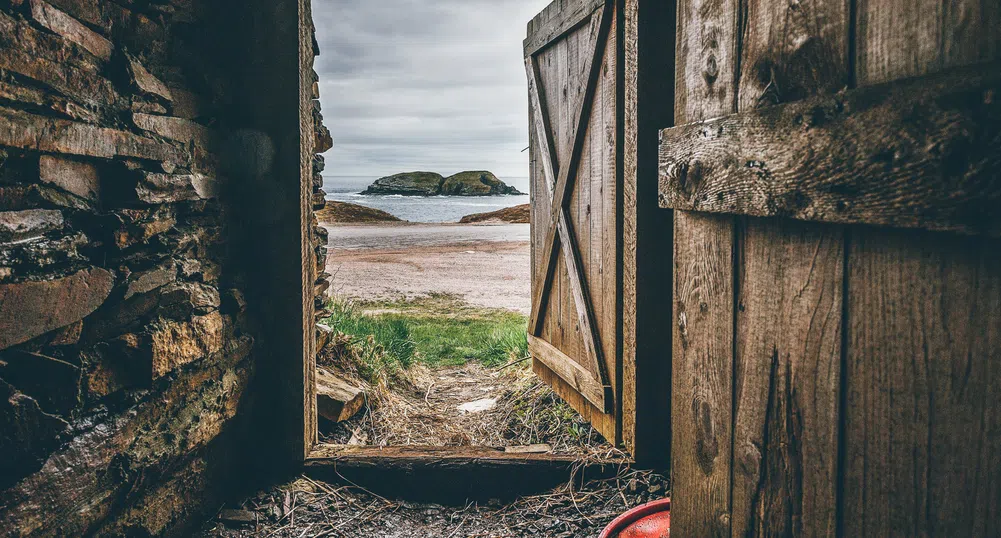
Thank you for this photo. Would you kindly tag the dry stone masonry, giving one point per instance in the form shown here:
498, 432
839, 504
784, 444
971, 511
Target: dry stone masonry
125, 342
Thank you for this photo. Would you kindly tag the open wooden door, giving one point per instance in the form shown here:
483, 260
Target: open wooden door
571, 62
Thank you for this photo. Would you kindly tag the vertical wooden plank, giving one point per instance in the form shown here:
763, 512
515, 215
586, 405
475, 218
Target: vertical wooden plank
630, 138
605, 220
788, 338
703, 368
558, 295
921, 430
787, 379
570, 328
702, 388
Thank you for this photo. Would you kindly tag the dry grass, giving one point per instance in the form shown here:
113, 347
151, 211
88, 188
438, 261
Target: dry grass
414, 405
308, 507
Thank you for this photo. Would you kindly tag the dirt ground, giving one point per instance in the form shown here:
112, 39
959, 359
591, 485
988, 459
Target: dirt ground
311, 508
486, 266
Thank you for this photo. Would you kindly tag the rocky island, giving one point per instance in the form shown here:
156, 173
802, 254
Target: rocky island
471, 183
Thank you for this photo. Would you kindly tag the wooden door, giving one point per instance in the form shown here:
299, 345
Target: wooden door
837, 271
571, 63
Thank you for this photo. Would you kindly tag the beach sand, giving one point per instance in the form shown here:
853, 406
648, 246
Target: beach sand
485, 265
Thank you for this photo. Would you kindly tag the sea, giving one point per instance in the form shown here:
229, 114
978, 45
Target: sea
421, 208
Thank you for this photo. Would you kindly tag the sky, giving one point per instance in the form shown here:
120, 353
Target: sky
435, 86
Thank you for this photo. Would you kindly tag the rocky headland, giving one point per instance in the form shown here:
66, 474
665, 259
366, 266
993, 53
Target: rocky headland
471, 183
518, 214
346, 213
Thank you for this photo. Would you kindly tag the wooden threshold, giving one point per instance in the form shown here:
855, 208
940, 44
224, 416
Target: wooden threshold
424, 473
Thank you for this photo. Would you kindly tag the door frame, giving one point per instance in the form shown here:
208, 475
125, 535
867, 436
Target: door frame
644, 57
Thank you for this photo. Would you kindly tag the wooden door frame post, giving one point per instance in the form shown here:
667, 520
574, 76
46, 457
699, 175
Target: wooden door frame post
646, 91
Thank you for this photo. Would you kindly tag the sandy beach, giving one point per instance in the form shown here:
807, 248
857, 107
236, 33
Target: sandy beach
486, 265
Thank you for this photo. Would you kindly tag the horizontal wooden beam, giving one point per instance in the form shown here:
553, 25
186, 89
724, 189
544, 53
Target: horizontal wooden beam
555, 21
573, 373
451, 473
917, 153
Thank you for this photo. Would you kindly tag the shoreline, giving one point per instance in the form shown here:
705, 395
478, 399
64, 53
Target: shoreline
485, 264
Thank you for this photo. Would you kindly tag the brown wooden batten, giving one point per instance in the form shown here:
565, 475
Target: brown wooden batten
917, 153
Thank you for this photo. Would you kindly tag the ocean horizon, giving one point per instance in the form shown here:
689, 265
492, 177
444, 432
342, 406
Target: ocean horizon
421, 208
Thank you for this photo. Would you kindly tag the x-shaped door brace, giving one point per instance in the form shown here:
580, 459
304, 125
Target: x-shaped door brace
560, 232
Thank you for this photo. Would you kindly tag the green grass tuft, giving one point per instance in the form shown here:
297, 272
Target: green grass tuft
435, 331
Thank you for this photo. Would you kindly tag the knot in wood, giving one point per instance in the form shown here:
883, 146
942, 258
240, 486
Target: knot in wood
706, 444
711, 72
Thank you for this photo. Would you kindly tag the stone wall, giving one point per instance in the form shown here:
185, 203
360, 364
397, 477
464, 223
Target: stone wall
126, 344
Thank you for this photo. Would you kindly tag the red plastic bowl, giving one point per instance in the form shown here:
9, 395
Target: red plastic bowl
650, 520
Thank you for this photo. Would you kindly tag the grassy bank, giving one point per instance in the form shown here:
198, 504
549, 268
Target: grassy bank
435, 331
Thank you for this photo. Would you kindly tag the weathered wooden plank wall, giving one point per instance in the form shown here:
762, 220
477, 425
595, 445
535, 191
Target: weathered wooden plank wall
592, 210
922, 375
829, 380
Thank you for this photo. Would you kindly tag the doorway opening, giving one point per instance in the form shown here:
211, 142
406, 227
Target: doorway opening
428, 248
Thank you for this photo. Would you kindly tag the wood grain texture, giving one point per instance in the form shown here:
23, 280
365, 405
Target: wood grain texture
576, 376
702, 388
702, 362
303, 379
629, 268
570, 152
787, 376
920, 425
918, 153
557, 20
575, 78
455, 474
790, 280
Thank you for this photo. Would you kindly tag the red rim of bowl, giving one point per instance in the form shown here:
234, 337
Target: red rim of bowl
620, 523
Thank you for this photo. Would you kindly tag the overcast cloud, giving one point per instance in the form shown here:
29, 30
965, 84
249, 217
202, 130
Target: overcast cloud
424, 85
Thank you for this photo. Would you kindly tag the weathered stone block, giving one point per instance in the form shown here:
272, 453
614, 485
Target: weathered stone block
113, 366
140, 225
29, 224
336, 399
71, 29
156, 188
19, 197
30, 309
182, 299
174, 344
38, 98
324, 141
68, 335
146, 281
28, 257
323, 335
93, 12
38, 133
53, 61
144, 80
319, 201
77, 177
179, 129
187, 105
